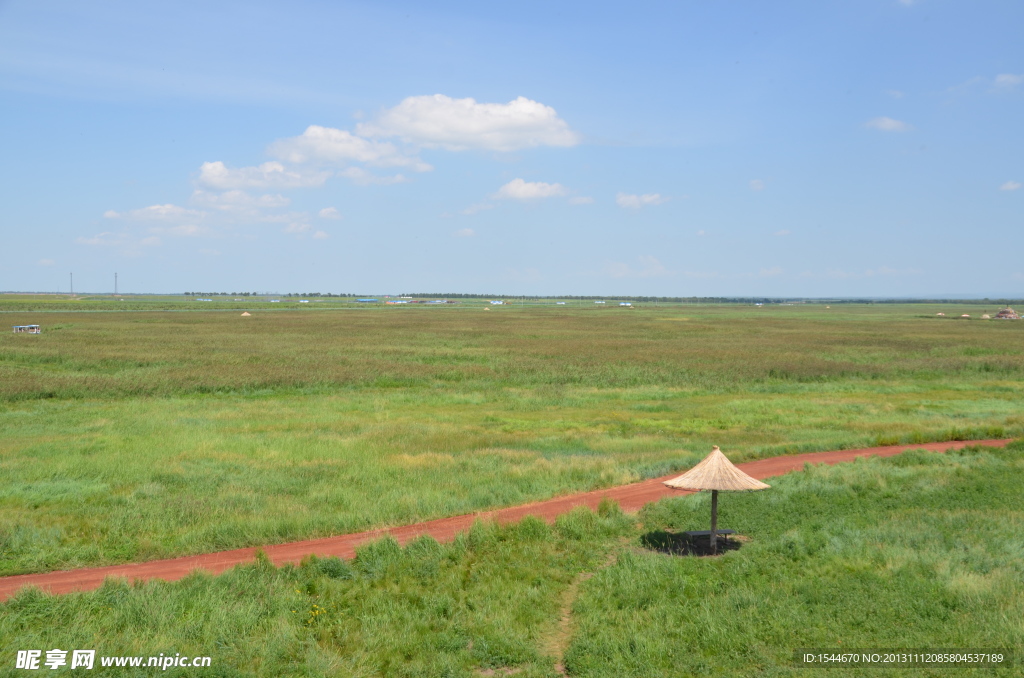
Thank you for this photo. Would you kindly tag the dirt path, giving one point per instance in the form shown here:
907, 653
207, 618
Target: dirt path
557, 642
630, 498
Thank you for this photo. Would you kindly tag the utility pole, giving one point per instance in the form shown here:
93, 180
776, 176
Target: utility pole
115, 284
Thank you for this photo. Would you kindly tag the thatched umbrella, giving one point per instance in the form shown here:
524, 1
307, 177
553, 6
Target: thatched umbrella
716, 473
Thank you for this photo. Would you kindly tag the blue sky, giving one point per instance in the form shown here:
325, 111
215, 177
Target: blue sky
871, 147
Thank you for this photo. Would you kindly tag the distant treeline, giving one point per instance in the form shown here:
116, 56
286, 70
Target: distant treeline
717, 300
569, 297
266, 294
676, 300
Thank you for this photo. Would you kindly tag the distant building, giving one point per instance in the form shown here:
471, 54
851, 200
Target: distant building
367, 301
27, 329
625, 303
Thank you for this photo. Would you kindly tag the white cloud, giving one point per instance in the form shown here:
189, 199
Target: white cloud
238, 201
464, 233
321, 235
151, 241
268, 175
1010, 186
363, 178
637, 201
283, 218
329, 213
478, 207
297, 227
888, 125
104, 238
896, 94
1006, 80
581, 200
439, 121
770, 272
46, 262
648, 267
156, 212
756, 185
701, 233
337, 146
182, 230
783, 232
517, 189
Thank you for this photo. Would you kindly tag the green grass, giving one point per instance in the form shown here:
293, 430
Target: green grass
922, 550
132, 436
918, 550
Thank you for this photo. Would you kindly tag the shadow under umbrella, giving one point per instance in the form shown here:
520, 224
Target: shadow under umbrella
686, 544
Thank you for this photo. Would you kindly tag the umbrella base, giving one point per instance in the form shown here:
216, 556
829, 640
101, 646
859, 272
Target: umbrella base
707, 533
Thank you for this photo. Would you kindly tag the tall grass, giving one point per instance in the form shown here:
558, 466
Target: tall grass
136, 436
717, 350
919, 550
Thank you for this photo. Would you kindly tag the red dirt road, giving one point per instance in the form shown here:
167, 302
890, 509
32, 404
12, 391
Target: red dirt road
630, 498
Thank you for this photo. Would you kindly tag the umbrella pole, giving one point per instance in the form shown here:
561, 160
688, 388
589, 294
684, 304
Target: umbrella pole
714, 521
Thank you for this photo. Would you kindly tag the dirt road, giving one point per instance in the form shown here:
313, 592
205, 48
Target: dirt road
630, 498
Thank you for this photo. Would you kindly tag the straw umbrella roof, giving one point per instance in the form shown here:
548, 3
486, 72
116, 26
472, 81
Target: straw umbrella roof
716, 472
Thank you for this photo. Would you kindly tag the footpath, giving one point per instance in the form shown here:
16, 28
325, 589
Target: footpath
630, 497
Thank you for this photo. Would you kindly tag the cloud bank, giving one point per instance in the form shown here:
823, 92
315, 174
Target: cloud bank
632, 201
438, 121
518, 189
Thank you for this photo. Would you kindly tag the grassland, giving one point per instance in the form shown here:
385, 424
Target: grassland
920, 550
144, 434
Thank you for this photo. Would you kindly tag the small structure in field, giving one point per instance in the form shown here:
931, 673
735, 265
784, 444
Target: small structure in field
965, 315
986, 316
27, 329
941, 314
1007, 314
246, 314
716, 473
